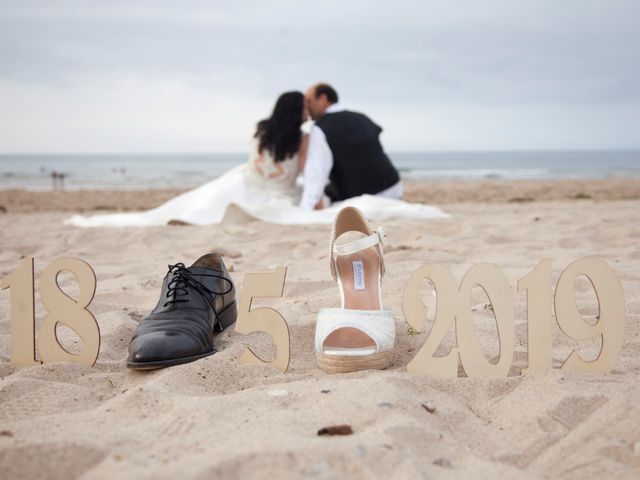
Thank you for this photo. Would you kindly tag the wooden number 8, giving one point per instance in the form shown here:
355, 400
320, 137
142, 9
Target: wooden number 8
73, 313
610, 325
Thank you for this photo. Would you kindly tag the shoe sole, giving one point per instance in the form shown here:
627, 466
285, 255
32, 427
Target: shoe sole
345, 364
227, 318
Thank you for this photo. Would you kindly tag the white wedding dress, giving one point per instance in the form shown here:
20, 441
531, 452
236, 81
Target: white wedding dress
263, 188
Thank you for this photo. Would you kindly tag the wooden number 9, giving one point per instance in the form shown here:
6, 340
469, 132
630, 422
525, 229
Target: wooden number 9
73, 313
610, 325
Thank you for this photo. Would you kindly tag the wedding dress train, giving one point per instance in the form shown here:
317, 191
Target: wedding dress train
264, 189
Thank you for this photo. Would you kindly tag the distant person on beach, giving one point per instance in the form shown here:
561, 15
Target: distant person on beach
345, 150
58, 180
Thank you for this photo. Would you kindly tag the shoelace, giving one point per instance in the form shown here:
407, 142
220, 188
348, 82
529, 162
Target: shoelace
183, 278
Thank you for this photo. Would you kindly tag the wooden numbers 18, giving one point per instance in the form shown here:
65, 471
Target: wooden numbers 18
453, 309
60, 309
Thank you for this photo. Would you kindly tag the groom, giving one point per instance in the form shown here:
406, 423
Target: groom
344, 149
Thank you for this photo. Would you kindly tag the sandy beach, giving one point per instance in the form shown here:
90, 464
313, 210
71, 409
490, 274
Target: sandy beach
215, 418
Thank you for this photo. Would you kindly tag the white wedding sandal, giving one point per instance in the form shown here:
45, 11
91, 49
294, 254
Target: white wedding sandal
359, 335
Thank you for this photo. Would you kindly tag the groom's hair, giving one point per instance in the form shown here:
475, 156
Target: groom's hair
328, 90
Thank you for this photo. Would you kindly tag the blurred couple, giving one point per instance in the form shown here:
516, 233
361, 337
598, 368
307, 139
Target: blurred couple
337, 154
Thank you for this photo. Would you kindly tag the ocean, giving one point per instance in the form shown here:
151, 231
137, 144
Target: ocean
136, 171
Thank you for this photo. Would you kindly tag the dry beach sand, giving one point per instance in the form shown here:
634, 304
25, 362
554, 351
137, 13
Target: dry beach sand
217, 419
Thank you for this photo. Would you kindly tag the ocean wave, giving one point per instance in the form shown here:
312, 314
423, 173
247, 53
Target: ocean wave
477, 173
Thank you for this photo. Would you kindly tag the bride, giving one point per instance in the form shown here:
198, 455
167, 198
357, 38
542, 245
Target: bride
265, 187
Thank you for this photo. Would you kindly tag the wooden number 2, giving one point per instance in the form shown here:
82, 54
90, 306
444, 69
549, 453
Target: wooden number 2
453, 307
264, 319
415, 312
61, 309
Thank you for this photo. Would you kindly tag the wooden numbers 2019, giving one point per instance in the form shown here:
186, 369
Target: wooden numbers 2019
61, 309
453, 308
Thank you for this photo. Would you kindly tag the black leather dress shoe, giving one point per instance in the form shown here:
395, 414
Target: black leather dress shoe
195, 303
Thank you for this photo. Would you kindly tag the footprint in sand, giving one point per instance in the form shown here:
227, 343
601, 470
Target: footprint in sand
49, 461
574, 410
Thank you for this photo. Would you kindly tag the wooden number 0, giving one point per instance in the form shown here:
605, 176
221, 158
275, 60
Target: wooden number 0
264, 319
453, 307
497, 288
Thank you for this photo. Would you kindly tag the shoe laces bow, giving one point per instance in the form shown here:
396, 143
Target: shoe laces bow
183, 278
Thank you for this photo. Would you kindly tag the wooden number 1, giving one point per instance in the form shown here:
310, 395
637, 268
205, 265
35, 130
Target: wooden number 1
23, 318
264, 319
537, 284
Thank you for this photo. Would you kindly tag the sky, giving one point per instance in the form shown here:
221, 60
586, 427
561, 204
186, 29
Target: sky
157, 76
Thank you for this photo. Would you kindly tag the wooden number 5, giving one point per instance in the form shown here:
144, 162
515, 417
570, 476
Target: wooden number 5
264, 319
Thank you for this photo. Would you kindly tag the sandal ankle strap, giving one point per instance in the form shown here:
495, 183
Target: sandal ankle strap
377, 238
352, 219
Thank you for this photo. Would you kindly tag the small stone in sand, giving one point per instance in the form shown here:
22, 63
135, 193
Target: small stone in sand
428, 407
336, 430
442, 462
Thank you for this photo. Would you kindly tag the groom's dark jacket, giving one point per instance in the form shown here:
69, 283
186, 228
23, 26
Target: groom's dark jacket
359, 162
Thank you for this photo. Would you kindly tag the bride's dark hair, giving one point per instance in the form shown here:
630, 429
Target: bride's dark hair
280, 133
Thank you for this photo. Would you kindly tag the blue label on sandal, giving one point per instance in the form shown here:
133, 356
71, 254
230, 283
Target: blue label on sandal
358, 275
